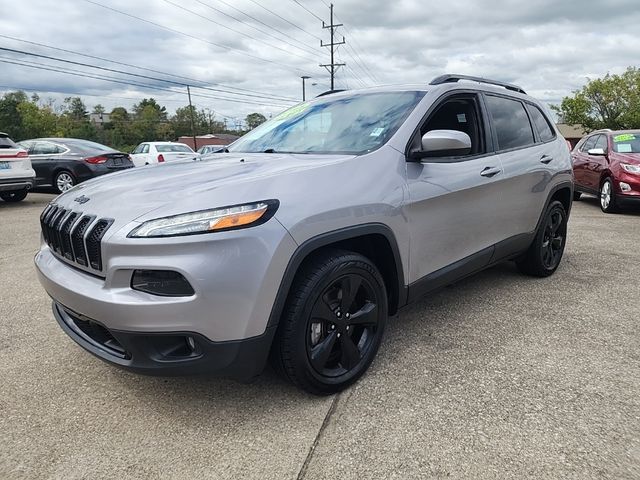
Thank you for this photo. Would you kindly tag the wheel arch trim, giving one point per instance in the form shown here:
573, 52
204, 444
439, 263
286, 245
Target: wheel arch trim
327, 239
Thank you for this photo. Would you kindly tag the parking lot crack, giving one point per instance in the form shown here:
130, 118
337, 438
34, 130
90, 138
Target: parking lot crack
303, 470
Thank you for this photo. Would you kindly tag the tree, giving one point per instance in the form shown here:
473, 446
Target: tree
609, 102
139, 108
254, 119
75, 108
98, 109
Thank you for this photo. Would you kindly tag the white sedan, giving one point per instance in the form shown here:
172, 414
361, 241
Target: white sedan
149, 153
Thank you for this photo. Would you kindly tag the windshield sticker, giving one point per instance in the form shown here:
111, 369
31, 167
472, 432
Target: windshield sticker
462, 118
292, 112
376, 132
624, 148
624, 137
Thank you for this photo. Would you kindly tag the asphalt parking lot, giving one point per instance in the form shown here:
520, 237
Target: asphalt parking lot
500, 376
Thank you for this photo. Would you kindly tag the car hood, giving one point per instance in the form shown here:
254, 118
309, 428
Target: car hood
214, 181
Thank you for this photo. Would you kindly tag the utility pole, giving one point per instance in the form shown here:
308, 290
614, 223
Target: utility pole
193, 131
332, 67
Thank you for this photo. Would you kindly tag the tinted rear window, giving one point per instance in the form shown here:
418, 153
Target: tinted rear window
173, 148
510, 121
86, 145
542, 124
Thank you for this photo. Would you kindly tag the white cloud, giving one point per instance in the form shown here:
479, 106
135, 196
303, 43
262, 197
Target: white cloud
547, 47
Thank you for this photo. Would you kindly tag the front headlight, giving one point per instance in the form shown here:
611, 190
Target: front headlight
205, 221
631, 168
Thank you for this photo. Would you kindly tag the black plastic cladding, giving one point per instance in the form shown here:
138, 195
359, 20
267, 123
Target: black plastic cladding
67, 233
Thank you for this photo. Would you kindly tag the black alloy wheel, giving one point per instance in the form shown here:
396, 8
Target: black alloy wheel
342, 326
553, 239
333, 322
545, 253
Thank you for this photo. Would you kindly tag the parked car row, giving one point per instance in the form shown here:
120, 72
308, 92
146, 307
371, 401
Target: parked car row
62, 163
607, 164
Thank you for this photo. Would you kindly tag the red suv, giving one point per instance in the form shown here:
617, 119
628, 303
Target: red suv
607, 164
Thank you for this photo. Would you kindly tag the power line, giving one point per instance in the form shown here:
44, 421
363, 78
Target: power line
303, 48
284, 19
267, 25
309, 11
112, 70
128, 82
225, 47
235, 31
115, 62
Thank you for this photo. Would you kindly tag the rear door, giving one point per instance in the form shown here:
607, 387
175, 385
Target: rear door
527, 157
45, 158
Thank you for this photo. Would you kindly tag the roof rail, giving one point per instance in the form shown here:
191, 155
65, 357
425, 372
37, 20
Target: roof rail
329, 92
452, 78
602, 130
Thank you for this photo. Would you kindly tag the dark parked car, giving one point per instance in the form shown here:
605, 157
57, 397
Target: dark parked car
607, 164
65, 162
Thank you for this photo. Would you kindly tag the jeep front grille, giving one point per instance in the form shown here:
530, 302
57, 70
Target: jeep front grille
74, 236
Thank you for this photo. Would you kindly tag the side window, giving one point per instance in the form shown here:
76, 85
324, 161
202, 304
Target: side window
44, 148
602, 142
458, 113
542, 124
510, 121
138, 149
589, 144
145, 148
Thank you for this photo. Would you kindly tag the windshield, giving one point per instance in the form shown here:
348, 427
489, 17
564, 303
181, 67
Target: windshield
352, 125
173, 147
627, 143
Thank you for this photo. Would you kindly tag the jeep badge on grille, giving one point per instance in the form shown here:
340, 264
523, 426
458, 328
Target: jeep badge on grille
81, 199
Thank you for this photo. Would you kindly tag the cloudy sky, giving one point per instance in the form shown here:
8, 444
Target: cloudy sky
249, 54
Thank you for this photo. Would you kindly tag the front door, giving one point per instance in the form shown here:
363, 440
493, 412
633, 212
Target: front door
454, 208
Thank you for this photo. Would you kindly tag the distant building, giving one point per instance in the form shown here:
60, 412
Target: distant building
573, 133
209, 139
99, 118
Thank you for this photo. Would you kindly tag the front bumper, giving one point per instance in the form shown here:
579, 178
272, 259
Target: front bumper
167, 353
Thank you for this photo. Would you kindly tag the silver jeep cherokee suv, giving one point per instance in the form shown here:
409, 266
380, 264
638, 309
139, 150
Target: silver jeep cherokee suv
308, 232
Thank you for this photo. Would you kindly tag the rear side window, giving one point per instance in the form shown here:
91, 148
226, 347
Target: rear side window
542, 124
510, 121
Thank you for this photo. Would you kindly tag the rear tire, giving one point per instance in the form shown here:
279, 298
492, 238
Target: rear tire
544, 255
13, 197
608, 196
332, 324
64, 181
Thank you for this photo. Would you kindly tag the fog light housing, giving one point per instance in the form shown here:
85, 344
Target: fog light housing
625, 187
164, 283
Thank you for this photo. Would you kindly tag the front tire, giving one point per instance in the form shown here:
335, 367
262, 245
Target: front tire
544, 255
64, 181
332, 324
12, 197
608, 196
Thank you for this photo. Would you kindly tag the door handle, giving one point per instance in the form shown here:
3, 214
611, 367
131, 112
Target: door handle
546, 159
490, 171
